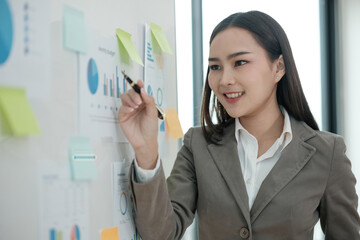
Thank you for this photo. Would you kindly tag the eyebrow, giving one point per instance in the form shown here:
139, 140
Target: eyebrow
230, 56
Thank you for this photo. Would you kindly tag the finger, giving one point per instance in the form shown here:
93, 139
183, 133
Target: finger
126, 109
124, 112
140, 83
131, 98
135, 97
148, 99
126, 100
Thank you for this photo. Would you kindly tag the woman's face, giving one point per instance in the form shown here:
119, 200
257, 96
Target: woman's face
241, 74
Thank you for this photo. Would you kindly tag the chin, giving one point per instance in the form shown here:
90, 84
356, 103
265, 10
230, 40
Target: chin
235, 114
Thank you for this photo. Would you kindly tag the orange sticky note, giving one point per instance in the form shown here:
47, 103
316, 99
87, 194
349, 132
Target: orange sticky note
110, 234
173, 124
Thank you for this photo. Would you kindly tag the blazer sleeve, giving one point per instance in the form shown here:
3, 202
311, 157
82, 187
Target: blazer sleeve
338, 207
163, 209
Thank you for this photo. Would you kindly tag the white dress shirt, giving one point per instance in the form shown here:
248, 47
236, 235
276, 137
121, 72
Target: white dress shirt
145, 175
254, 169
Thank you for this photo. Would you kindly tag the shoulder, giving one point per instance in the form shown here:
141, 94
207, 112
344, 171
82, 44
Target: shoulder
194, 135
328, 141
318, 139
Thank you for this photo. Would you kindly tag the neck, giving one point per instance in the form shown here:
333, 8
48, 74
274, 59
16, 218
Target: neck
268, 124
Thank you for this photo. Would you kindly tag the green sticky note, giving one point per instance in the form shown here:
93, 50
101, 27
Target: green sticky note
81, 158
74, 30
160, 38
17, 116
125, 39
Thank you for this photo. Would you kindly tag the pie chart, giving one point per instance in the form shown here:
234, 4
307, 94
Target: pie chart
6, 31
123, 203
92, 76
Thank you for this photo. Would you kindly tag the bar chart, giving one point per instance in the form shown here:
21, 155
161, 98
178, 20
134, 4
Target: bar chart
111, 85
55, 234
149, 55
75, 233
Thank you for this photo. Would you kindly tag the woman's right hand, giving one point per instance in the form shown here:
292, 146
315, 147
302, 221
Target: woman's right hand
138, 120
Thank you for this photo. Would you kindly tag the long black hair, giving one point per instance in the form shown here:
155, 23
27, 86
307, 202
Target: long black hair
270, 35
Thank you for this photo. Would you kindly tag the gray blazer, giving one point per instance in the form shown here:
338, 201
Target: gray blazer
311, 180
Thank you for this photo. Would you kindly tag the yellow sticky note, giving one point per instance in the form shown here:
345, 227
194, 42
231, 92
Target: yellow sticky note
173, 124
160, 38
74, 30
125, 39
18, 117
110, 234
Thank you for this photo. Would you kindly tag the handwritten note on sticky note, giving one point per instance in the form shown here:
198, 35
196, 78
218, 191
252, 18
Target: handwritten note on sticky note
160, 38
110, 234
125, 39
17, 116
173, 126
74, 30
82, 158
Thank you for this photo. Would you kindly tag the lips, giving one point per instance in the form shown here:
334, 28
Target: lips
234, 95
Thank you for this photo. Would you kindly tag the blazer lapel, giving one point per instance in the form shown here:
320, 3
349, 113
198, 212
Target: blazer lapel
292, 160
226, 158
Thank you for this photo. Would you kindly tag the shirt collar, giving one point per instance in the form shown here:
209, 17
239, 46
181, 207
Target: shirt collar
285, 137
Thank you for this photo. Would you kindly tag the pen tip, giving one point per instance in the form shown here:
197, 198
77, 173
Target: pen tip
123, 72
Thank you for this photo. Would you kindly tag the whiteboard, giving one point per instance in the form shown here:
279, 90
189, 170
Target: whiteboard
34, 169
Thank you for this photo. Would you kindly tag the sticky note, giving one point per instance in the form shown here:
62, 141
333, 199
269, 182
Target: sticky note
160, 38
125, 39
17, 116
110, 234
82, 158
173, 126
74, 30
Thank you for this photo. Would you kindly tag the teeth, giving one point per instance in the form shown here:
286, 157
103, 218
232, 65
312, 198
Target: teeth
234, 95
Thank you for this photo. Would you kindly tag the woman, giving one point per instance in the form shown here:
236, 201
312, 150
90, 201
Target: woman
263, 171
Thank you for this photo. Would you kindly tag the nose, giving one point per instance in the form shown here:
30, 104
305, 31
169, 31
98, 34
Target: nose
227, 77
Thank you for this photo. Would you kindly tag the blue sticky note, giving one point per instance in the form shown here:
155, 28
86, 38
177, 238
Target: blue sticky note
82, 159
74, 30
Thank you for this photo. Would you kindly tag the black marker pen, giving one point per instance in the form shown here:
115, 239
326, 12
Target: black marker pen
137, 89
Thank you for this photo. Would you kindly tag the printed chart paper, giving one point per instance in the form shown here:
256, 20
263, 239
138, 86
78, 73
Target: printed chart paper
25, 59
123, 207
101, 83
154, 79
62, 204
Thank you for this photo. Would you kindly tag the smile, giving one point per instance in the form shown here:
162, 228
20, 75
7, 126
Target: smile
234, 95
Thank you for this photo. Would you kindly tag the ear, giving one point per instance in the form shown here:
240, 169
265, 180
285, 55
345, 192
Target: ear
280, 68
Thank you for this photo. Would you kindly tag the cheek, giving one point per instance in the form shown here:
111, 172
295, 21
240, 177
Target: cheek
212, 82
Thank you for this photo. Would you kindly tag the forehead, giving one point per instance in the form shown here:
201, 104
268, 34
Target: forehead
233, 39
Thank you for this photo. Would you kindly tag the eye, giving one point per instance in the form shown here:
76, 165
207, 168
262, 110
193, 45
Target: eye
240, 63
215, 67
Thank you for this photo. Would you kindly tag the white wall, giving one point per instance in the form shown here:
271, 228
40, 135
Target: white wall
349, 16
